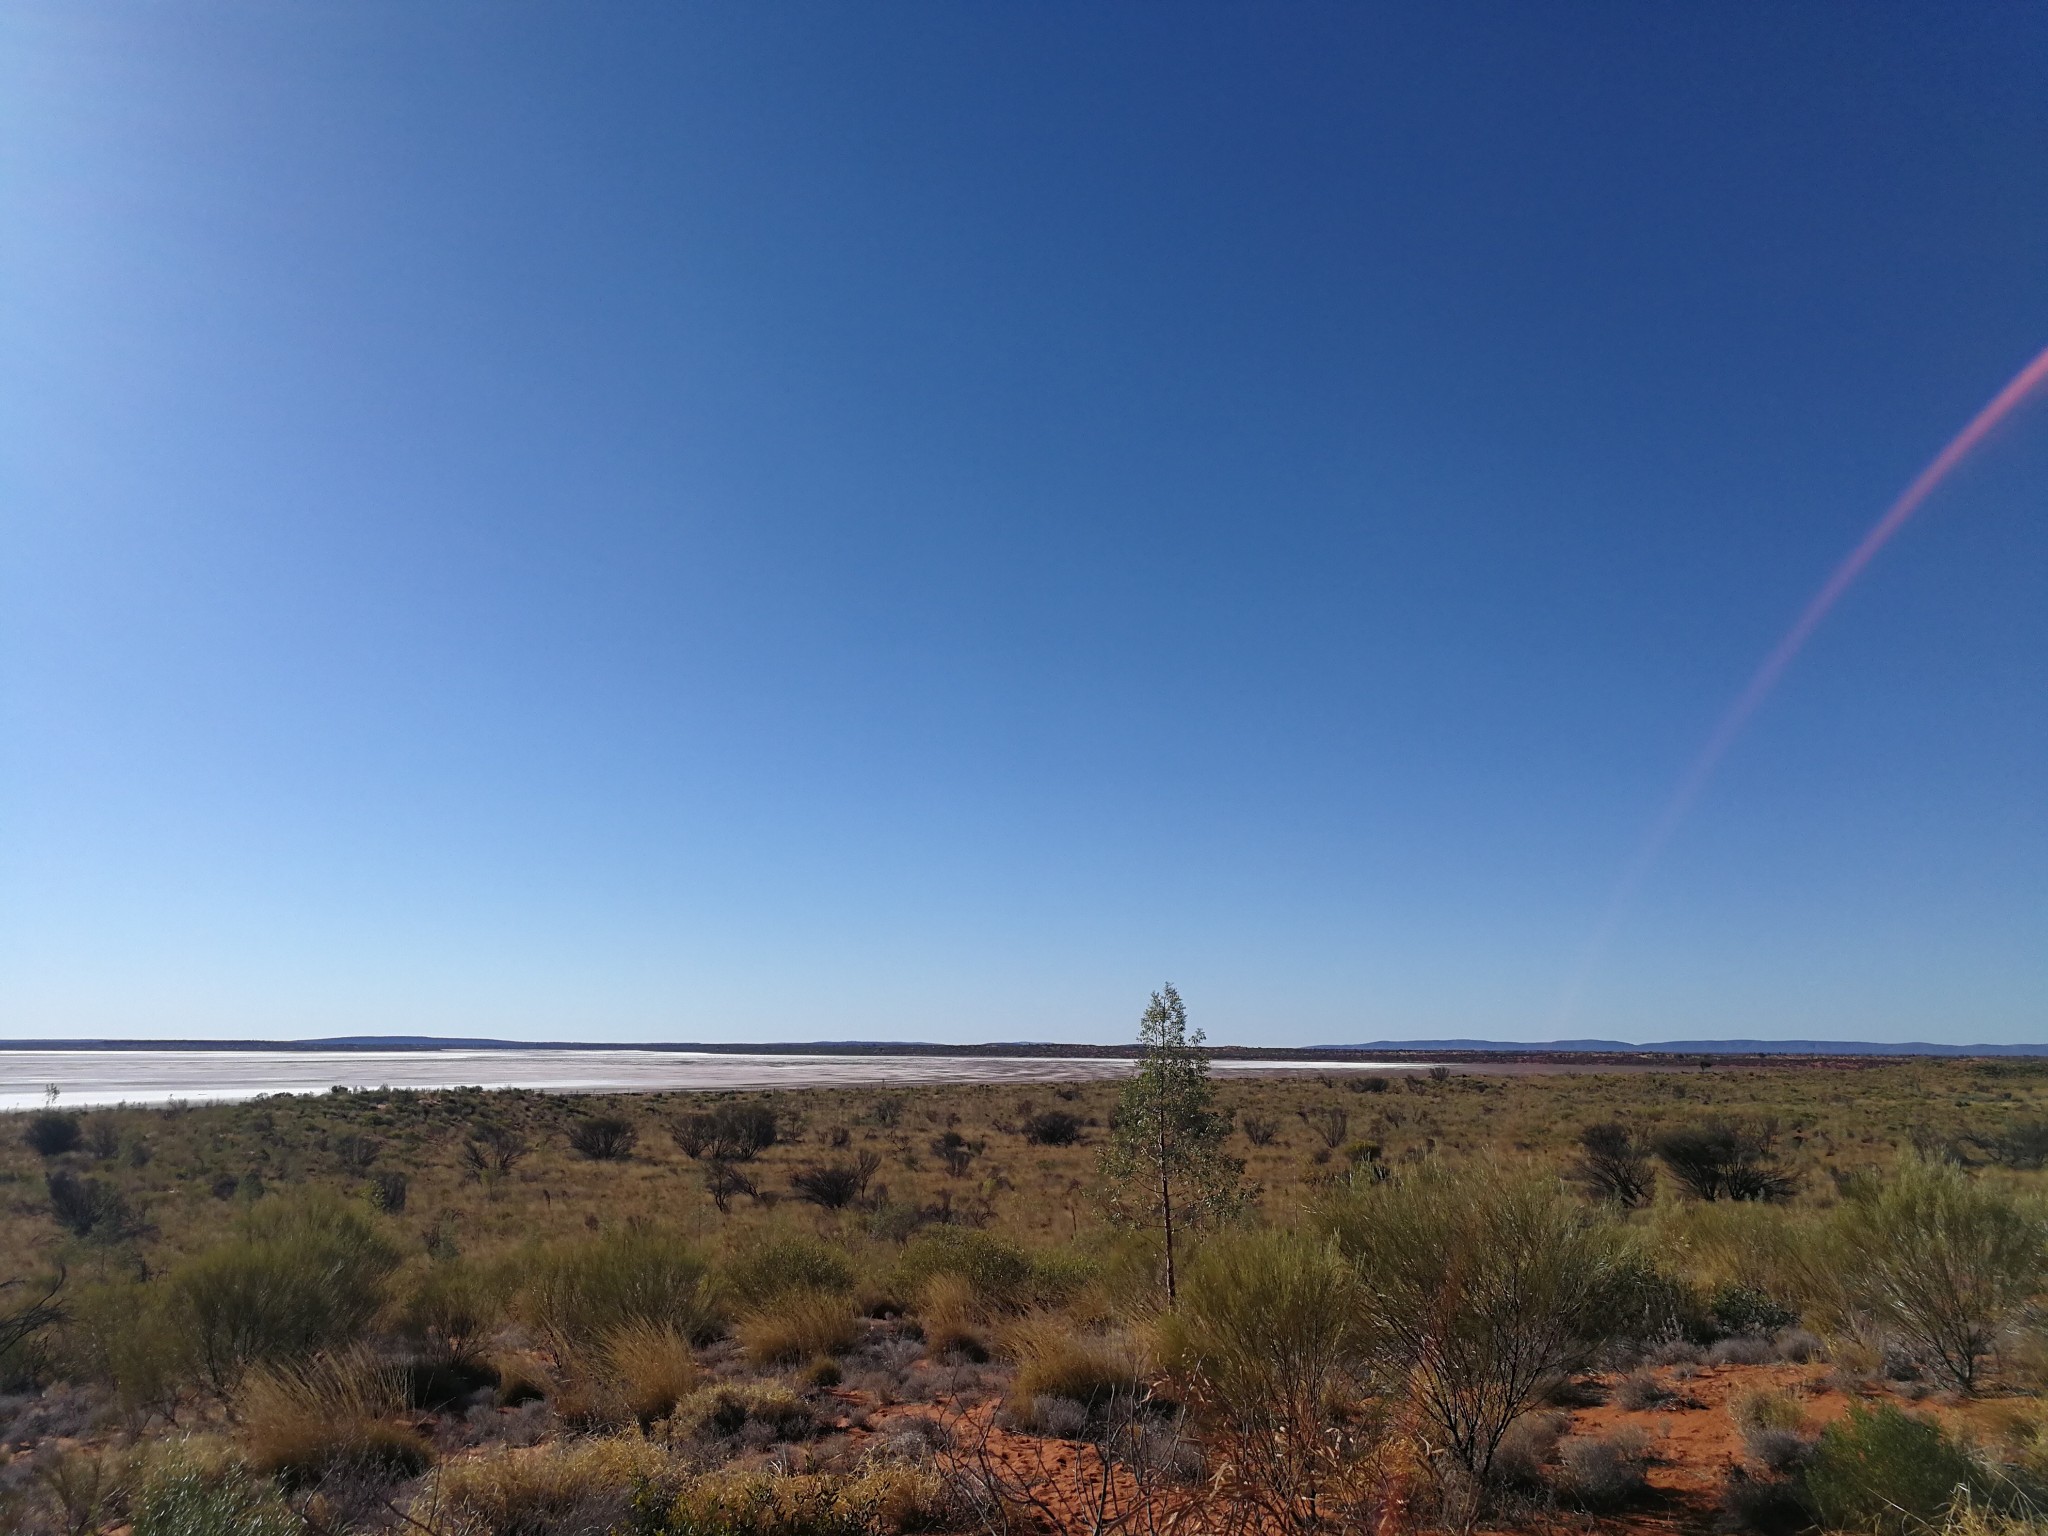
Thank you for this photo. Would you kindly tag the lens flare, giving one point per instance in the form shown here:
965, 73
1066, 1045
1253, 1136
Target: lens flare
1737, 715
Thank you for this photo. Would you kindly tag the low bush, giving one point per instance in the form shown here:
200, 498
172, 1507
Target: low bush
727, 1410
1888, 1472
565, 1489
604, 1138
1614, 1164
1766, 1408
52, 1135
836, 1185
1054, 1361
1485, 1286
1259, 1130
1722, 1161
1052, 1128
798, 1325
733, 1132
758, 1274
451, 1309
1639, 1391
1948, 1261
1603, 1472
88, 1207
304, 1423
302, 1274
997, 1272
1766, 1506
1271, 1347
583, 1290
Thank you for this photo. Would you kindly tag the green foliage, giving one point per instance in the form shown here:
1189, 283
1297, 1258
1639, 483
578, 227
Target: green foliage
1888, 1472
302, 1274
52, 1134
1271, 1348
185, 1498
998, 1272
1483, 1286
1165, 1165
1945, 1259
583, 1289
759, 1273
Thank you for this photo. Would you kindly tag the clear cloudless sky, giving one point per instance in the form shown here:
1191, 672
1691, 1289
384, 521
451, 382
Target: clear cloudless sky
826, 521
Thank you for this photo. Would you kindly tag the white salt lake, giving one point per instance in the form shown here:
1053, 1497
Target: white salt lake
88, 1077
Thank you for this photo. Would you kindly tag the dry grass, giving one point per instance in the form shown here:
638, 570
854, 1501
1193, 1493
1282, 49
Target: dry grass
652, 1368
574, 1485
333, 1413
799, 1325
950, 1313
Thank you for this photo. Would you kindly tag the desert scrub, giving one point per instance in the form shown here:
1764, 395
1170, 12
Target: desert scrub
752, 1410
584, 1289
883, 1499
1058, 1364
799, 1325
306, 1421
1946, 1259
762, 1271
301, 1274
192, 1493
1889, 1472
1270, 1349
996, 1272
1484, 1287
570, 1486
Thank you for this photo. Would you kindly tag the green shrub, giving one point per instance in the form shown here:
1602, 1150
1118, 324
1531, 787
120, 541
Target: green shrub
1055, 1361
52, 1134
999, 1273
301, 1275
1270, 1348
1888, 1472
722, 1410
1484, 1285
186, 1498
759, 1274
885, 1499
1948, 1261
584, 1289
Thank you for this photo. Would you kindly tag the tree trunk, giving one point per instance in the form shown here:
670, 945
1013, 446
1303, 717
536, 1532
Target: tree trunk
1166, 1207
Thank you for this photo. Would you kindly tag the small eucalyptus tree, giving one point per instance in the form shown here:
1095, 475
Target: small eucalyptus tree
1165, 1165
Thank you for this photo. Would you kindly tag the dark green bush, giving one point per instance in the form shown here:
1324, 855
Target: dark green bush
52, 1135
301, 1274
1888, 1472
583, 1290
999, 1272
767, 1270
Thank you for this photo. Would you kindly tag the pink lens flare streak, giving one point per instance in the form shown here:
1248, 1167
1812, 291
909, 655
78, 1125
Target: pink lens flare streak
1737, 715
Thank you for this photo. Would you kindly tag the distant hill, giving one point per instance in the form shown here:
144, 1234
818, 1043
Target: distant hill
1397, 1049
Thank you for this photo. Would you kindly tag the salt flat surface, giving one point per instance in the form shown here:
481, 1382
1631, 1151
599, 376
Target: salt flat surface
153, 1077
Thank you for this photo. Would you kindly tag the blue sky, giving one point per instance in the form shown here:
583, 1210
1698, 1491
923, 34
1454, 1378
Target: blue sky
746, 522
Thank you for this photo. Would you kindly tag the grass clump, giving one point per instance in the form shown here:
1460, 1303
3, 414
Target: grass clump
884, 1499
583, 1290
303, 1423
570, 1486
1057, 1364
799, 1325
186, 1495
652, 1369
727, 1410
759, 1274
